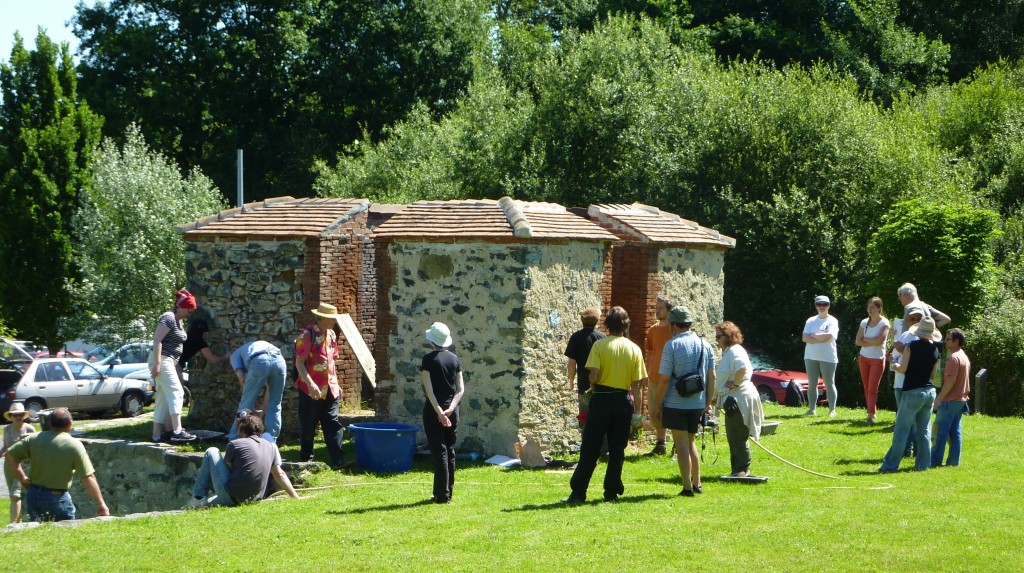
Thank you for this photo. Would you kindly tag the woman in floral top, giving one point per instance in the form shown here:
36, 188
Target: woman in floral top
319, 393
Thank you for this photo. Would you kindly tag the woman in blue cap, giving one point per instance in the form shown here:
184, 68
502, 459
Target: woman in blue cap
820, 355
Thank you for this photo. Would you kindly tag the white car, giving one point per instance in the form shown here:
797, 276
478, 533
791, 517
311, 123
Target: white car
77, 385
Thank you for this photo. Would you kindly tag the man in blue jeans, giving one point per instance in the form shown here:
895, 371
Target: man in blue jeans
259, 365
951, 403
242, 473
53, 455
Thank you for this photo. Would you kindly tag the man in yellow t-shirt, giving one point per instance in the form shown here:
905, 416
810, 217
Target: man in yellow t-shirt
54, 454
616, 365
657, 335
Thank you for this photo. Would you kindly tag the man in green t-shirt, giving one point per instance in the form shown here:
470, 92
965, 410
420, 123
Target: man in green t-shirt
54, 454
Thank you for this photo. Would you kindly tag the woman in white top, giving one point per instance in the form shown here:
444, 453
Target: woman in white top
820, 355
871, 336
737, 396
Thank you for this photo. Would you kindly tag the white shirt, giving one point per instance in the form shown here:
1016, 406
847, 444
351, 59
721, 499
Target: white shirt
877, 352
822, 351
905, 338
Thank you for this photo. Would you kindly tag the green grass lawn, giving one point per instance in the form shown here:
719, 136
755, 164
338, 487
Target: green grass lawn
946, 519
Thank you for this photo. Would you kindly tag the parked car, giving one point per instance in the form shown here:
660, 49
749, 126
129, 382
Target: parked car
773, 383
127, 359
10, 374
79, 386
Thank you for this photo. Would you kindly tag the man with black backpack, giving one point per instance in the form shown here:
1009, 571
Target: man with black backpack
684, 393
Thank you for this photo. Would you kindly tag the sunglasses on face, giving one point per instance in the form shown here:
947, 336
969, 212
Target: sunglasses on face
821, 304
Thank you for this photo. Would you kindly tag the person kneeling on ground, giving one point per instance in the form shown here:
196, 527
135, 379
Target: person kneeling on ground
241, 475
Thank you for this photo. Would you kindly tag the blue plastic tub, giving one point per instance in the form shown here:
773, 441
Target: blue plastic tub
384, 447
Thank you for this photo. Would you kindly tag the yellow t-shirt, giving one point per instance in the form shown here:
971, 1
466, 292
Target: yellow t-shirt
619, 360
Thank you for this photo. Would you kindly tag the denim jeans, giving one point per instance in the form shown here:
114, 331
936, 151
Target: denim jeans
827, 371
915, 411
908, 449
267, 369
949, 425
213, 476
43, 504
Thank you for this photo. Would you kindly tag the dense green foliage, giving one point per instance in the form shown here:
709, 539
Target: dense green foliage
47, 137
130, 254
287, 81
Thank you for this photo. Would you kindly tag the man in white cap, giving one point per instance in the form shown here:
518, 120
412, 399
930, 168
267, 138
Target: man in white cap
319, 393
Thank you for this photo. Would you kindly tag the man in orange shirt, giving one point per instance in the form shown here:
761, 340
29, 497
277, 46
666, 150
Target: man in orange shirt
657, 335
952, 401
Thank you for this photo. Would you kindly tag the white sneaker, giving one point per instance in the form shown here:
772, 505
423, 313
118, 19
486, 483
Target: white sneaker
831, 413
195, 503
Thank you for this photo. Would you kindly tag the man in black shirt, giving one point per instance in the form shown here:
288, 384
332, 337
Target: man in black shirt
577, 351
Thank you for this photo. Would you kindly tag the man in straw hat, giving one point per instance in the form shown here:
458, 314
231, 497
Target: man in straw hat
12, 434
316, 349
53, 455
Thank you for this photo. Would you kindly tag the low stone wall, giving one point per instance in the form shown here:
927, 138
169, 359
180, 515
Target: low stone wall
138, 477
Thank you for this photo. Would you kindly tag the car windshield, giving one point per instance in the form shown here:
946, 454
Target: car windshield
762, 362
100, 352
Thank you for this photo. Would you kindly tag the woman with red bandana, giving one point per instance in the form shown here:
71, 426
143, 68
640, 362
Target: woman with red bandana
170, 395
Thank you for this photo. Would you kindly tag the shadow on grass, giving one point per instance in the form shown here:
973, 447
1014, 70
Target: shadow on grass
849, 462
391, 507
559, 505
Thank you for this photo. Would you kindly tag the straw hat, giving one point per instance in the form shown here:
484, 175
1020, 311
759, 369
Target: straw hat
926, 329
327, 311
16, 408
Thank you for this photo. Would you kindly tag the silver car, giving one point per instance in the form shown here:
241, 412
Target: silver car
79, 386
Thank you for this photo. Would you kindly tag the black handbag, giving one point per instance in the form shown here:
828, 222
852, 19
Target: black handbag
693, 383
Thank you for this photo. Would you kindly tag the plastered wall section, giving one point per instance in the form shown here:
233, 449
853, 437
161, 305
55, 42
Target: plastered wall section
511, 308
564, 279
694, 278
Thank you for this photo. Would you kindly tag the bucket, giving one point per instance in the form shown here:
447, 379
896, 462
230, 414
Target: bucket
384, 447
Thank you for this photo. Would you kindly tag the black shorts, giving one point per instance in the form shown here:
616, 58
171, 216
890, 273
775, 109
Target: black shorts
684, 420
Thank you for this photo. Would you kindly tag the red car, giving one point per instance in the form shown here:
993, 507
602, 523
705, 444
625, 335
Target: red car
773, 383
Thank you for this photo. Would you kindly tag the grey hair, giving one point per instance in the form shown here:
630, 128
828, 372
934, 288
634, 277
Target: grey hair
907, 289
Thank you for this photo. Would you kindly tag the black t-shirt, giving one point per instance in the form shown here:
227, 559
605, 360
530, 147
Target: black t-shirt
443, 367
578, 349
923, 356
193, 345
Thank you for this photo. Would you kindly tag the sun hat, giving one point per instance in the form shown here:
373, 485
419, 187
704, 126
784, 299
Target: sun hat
327, 311
184, 299
439, 334
926, 329
680, 315
16, 408
822, 298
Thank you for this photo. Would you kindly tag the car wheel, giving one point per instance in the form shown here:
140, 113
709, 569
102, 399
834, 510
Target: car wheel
34, 406
132, 404
766, 394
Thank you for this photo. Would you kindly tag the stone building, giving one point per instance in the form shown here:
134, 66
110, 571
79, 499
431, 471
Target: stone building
664, 254
258, 271
509, 278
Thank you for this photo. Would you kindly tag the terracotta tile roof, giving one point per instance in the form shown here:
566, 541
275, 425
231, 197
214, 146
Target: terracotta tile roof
639, 222
503, 220
277, 217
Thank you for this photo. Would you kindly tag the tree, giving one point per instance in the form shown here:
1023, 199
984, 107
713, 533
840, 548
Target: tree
131, 256
47, 138
287, 80
943, 249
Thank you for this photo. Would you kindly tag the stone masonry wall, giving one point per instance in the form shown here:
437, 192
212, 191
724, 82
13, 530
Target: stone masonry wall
696, 279
251, 290
478, 290
564, 279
